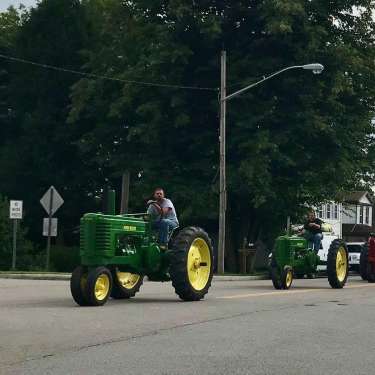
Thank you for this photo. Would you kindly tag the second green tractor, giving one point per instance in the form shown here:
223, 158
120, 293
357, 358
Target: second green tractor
292, 257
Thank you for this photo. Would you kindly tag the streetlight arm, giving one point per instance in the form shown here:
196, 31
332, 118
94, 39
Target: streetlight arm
259, 82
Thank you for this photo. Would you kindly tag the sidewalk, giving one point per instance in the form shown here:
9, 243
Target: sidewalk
66, 276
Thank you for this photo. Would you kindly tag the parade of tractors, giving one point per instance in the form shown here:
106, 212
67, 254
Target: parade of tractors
118, 251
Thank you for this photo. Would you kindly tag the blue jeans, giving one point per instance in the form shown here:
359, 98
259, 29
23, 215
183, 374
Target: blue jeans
314, 240
164, 226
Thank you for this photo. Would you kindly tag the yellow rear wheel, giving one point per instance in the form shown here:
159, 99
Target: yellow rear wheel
199, 263
191, 267
341, 264
337, 264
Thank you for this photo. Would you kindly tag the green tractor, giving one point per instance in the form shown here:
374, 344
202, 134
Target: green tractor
292, 256
117, 251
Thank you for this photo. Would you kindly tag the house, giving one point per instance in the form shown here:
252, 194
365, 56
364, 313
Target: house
351, 220
331, 213
357, 216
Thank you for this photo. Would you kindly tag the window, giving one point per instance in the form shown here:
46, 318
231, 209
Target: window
361, 215
328, 211
336, 211
320, 212
367, 215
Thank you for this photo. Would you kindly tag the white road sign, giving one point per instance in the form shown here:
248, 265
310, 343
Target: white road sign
53, 227
51, 196
15, 209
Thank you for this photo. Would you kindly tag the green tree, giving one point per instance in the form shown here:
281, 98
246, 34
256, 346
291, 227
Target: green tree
39, 149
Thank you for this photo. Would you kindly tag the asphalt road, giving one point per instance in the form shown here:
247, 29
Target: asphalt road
243, 327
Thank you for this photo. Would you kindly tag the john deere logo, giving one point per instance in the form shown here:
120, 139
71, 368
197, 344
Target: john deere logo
130, 228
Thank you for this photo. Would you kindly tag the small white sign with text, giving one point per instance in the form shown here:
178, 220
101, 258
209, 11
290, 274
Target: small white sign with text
15, 209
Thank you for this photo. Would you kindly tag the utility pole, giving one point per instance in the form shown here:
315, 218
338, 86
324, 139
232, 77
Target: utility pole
223, 188
124, 209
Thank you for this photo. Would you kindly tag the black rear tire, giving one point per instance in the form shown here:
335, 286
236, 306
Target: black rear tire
78, 284
363, 262
191, 282
125, 290
337, 264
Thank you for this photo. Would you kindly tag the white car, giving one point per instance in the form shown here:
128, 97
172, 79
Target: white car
354, 250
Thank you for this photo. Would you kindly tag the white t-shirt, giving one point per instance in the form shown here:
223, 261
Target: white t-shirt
165, 203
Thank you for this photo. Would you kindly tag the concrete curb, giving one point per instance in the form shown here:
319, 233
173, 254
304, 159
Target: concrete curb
36, 276
66, 276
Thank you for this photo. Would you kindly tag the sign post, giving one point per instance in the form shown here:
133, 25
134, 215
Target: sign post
15, 213
51, 201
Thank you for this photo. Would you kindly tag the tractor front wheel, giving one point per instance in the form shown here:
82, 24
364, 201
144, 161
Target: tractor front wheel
282, 279
191, 264
363, 262
78, 282
98, 286
125, 284
337, 264
287, 277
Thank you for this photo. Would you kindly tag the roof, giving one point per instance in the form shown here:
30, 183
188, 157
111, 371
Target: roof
355, 196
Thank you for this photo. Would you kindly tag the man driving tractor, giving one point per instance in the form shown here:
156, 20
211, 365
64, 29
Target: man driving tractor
163, 216
313, 231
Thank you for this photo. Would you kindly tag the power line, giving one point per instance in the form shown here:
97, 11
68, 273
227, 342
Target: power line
97, 76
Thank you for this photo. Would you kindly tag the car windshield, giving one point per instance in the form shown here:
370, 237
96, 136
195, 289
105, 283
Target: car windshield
354, 248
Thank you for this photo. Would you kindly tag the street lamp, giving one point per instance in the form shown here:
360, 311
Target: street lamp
315, 68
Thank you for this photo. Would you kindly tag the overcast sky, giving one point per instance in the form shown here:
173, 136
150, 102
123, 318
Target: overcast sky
4, 4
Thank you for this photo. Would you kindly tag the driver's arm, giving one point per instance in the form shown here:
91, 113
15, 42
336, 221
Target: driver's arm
165, 210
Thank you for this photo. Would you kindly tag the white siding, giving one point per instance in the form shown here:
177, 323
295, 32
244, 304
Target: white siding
370, 223
327, 212
349, 214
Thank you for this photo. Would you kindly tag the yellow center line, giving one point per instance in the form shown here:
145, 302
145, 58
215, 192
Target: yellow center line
289, 292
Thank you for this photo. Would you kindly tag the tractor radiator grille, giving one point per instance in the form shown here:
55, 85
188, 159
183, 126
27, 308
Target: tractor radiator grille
103, 237
82, 236
95, 238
